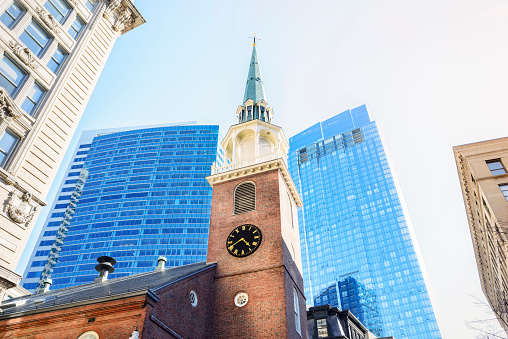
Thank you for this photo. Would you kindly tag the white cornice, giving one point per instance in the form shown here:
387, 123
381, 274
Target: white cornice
258, 168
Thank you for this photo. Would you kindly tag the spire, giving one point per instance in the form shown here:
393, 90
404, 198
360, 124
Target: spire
254, 102
254, 89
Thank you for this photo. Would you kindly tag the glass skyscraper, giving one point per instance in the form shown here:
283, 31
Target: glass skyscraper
133, 194
357, 247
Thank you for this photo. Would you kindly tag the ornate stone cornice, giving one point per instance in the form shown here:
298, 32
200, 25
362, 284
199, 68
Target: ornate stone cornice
24, 54
49, 20
124, 15
265, 166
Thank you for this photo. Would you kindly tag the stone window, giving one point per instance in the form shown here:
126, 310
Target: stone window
297, 312
33, 99
58, 8
245, 198
76, 27
11, 75
90, 4
12, 14
7, 144
36, 38
504, 189
496, 167
57, 60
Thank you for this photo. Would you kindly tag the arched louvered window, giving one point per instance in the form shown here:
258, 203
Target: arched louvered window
245, 198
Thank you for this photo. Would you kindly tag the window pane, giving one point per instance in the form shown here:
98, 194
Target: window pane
12, 14
57, 60
496, 167
59, 9
11, 75
7, 144
33, 99
35, 38
76, 27
90, 4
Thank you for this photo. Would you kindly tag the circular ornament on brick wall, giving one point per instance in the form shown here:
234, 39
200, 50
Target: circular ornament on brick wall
193, 298
241, 299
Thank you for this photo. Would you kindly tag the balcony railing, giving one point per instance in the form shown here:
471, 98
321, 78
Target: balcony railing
250, 162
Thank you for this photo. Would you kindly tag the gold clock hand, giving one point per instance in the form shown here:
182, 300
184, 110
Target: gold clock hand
238, 241
245, 241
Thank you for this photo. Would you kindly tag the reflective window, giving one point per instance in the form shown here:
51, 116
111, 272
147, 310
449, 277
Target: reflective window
76, 27
496, 167
322, 328
12, 14
504, 189
33, 99
297, 312
59, 9
7, 144
90, 4
57, 60
11, 75
36, 38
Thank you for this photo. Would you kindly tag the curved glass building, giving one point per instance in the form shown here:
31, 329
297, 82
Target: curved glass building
133, 194
357, 246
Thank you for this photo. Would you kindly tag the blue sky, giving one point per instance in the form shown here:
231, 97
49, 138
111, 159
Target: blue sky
433, 74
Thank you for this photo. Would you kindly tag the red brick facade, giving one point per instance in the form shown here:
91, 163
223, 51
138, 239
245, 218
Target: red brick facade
117, 319
267, 276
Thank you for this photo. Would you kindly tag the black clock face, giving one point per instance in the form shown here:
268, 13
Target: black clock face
243, 240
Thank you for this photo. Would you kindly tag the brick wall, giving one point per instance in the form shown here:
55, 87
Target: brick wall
113, 320
176, 312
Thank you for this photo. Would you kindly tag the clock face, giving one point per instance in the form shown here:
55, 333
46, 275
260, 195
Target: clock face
243, 240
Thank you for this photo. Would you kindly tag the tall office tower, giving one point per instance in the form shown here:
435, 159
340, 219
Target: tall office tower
484, 182
356, 241
144, 195
51, 55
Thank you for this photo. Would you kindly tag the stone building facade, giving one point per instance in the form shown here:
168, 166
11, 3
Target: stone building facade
52, 53
482, 169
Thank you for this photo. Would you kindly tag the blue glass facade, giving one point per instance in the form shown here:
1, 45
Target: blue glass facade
145, 195
357, 248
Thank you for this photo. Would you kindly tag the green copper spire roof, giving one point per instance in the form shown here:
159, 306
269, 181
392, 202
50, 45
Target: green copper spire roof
254, 89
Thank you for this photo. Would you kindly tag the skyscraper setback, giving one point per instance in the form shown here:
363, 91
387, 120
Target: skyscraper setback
144, 195
357, 247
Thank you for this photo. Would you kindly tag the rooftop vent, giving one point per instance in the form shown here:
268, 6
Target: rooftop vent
104, 267
47, 283
161, 263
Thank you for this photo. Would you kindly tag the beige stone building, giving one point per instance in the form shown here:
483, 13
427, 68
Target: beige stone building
52, 53
483, 172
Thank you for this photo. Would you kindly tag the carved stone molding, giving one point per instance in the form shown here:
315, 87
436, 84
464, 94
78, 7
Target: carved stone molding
49, 20
123, 21
24, 54
21, 207
7, 111
113, 4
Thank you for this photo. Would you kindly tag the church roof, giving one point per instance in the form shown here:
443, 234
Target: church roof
254, 88
149, 282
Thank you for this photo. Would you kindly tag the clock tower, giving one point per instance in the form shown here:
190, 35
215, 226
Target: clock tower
254, 235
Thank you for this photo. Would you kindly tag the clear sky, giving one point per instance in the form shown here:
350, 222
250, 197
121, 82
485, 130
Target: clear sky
433, 74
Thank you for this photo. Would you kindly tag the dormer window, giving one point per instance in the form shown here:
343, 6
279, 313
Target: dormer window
249, 113
262, 109
322, 328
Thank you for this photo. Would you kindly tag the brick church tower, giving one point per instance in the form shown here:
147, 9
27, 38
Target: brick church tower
254, 235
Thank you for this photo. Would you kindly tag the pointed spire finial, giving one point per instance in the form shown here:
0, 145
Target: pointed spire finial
254, 36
